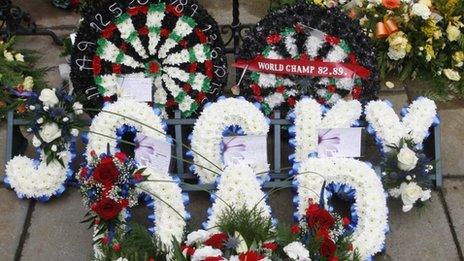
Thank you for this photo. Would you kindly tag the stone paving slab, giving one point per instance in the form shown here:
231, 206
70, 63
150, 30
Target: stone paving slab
454, 194
420, 235
56, 232
452, 141
399, 100
12, 216
46, 15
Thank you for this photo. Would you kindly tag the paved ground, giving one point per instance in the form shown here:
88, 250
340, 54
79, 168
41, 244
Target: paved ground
34, 231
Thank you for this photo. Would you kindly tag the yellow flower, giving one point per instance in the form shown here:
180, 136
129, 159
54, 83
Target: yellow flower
458, 58
19, 57
8, 56
453, 32
452, 75
430, 29
28, 83
399, 46
426, 2
319, 2
429, 52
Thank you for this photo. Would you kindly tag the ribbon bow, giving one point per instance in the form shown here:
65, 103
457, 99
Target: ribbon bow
386, 28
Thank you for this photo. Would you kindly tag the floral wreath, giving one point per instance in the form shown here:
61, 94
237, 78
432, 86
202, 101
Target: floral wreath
54, 123
289, 34
228, 194
371, 209
168, 210
309, 115
208, 133
177, 44
406, 170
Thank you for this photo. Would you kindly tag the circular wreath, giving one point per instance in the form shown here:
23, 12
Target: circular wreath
370, 207
308, 31
208, 133
175, 42
169, 213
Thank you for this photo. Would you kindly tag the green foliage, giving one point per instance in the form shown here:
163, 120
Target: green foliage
252, 226
136, 245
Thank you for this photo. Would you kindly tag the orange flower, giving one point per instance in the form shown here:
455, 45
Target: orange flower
21, 109
391, 4
2, 104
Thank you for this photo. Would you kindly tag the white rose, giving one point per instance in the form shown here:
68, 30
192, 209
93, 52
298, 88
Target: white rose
198, 236
8, 56
453, 32
122, 259
78, 108
407, 159
54, 148
297, 251
28, 83
410, 193
19, 57
50, 132
204, 252
36, 142
421, 10
452, 75
48, 97
75, 132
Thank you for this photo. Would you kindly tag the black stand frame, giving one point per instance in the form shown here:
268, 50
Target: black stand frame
14, 21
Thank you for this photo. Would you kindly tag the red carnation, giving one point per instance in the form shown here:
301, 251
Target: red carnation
291, 101
312, 209
201, 96
117, 247
84, 173
346, 221
250, 256
331, 88
356, 92
106, 172
187, 88
256, 89
273, 39
334, 259
270, 245
328, 248
144, 30
323, 234
213, 258
280, 89
107, 208
138, 176
188, 250
216, 240
121, 156
333, 40
165, 32
295, 229
105, 240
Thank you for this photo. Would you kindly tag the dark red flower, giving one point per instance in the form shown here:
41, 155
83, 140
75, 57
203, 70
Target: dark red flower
323, 234
188, 250
291, 101
312, 209
357, 90
74, 4
117, 247
323, 220
213, 258
334, 259
96, 65
273, 38
270, 245
280, 89
295, 229
117, 68
138, 176
328, 248
250, 256
201, 96
217, 240
346, 221
144, 30
84, 172
105, 240
187, 88
331, 88
107, 208
333, 40
121, 156
256, 89
171, 103
151, 259
106, 172
165, 32
193, 67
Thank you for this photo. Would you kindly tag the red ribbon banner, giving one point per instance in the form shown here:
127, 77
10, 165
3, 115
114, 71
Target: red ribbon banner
303, 67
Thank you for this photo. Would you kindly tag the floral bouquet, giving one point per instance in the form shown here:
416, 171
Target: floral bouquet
18, 79
406, 174
55, 122
107, 185
241, 234
420, 39
320, 235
